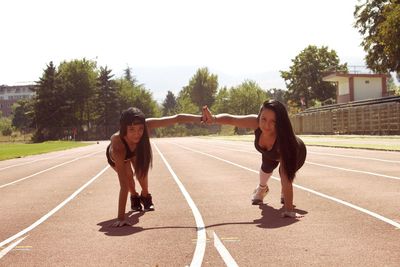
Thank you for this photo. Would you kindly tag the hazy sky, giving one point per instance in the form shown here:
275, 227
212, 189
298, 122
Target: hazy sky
166, 41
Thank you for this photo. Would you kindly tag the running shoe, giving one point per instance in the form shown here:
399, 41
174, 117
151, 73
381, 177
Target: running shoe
258, 195
147, 202
135, 203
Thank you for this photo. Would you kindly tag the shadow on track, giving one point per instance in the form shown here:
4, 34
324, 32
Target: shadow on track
133, 218
270, 218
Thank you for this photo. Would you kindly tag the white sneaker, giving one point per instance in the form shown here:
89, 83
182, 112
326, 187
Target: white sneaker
259, 194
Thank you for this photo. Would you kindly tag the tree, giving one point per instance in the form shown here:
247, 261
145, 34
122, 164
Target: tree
79, 81
108, 102
130, 77
378, 21
23, 114
49, 106
5, 126
136, 96
246, 98
203, 87
169, 105
304, 79
277, 94
221, 104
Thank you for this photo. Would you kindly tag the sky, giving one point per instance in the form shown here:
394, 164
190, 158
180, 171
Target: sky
165, 42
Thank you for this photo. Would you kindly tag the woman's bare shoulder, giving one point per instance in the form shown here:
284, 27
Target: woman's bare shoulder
116, 142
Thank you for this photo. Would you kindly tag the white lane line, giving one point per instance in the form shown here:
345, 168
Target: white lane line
320, 153
28, 162
226, 256
33, 161
373, 214
354, 157
10, 247
201, 233
45, 217
324, 165
56, 166
351, 170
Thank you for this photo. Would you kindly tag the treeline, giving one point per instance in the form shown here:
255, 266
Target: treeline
80, 100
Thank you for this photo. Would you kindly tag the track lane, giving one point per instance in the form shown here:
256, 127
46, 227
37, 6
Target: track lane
330, 234
331, 216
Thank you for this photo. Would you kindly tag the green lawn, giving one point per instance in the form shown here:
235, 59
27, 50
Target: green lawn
16, 150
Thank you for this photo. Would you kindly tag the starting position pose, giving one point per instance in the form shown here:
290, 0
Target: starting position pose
130, 147
277, 143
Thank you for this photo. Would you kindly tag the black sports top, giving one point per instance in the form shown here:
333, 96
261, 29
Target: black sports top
272, 154
129, 154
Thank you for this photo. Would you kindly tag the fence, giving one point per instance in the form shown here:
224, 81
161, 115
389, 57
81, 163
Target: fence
374, 117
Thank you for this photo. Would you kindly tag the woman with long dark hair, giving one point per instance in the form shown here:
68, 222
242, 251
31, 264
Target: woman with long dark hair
277, 143
129, 154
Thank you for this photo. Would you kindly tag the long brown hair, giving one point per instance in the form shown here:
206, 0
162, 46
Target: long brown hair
144, 156
285, 136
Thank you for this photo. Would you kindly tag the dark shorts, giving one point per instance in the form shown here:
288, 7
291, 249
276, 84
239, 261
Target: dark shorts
112, 163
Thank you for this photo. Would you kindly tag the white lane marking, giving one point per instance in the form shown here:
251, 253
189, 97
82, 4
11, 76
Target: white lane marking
28, 162
50, 213
354, 157
320, 153
56, 166
201, 233
226, 256
373, 214
10, 247
351, 170
324, 165
33, 161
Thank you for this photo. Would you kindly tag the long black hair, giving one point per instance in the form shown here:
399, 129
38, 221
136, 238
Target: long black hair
144, 156
287, 143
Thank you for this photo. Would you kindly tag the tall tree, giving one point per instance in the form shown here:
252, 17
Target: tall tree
49, 106
378, 21
203, 87
246, 98
108, 102
136, 96
129, 76
169, 104
79, 80
304, 79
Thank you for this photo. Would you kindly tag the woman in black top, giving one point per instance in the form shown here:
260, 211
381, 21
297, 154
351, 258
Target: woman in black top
129, 154
276, 141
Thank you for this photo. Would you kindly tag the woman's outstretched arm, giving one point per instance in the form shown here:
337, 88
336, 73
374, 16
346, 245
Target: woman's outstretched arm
241, 121
171, 120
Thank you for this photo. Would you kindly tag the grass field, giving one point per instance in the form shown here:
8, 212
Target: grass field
16, 150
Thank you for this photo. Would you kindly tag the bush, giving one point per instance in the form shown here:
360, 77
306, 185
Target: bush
5, 126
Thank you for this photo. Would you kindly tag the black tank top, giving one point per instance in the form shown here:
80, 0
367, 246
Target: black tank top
129, 154
272, 154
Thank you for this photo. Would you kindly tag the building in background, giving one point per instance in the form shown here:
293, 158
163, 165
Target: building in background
11, 94
358, 85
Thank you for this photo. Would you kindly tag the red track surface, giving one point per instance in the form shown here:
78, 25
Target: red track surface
219, 177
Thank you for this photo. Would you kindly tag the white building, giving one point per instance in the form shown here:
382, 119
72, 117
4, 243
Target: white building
11, 94
353, 87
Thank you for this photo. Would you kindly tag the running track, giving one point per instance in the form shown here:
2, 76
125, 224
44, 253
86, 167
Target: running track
56, 208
